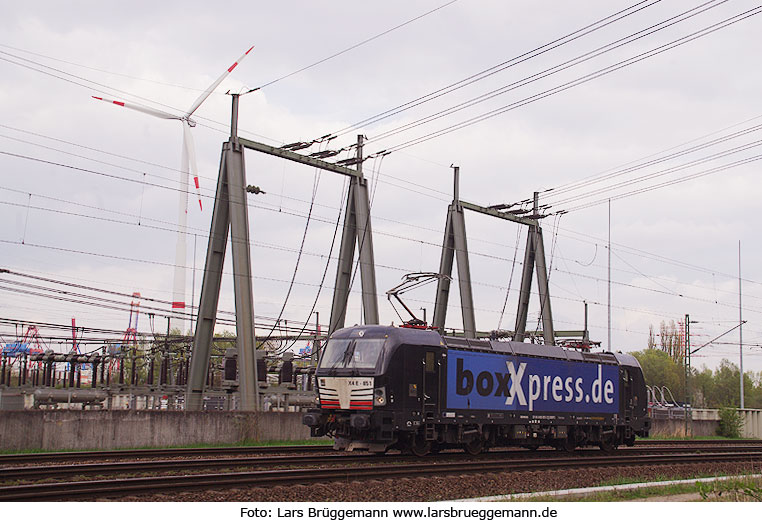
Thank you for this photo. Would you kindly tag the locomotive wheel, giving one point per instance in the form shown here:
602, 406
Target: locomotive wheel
566, 445
474, 446
608, 444
419, 447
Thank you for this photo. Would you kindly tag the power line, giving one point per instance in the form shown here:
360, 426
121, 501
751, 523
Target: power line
277, 247
550, 71
561, 41
321, 61
650, 160
626, 249
253, 242
661, 185
663, 172
580, 80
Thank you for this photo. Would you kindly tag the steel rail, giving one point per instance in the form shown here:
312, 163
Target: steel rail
268, 478
98, 455
92, 455
38, 472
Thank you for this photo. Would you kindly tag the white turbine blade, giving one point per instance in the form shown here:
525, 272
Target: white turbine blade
178, 290
140, 108
190, 150
215, 84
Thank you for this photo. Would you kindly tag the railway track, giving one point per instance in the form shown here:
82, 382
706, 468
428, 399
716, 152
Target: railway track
100, 455
40, 472
141, 453
330, 468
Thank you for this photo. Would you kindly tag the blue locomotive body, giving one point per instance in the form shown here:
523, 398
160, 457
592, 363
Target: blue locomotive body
387, 387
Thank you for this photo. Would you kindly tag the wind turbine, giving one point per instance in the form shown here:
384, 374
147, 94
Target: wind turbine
187, 167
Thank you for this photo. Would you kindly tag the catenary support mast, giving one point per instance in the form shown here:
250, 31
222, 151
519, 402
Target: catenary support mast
357, 229
230, 215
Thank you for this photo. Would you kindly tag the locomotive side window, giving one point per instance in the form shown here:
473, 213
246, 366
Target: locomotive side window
352, 353
429, 361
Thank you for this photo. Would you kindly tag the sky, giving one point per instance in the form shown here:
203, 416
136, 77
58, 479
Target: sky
89, 191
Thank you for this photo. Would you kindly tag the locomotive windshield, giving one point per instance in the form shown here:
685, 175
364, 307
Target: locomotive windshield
351, 353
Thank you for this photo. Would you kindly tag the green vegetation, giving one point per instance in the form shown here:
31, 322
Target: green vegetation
684, 438
731, 423
731, 490
741, 489
664, 365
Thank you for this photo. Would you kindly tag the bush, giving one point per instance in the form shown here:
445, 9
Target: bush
731, 423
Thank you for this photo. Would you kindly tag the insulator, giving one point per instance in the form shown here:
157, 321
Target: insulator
324, 154
297, 146
349, 161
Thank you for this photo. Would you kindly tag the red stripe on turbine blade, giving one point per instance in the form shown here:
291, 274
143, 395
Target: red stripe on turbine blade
231, 68
178, 304
195, 180
96, 97
200, 206
118, 103
247, 51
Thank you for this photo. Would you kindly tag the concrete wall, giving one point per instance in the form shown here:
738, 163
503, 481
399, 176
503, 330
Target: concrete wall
676, 428
104, 429
704, 423
752, 420
72, 429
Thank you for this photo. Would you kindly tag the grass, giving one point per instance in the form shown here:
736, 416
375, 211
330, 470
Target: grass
740, 489
684, 438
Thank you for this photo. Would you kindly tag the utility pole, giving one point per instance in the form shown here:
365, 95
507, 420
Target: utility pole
316, 343
687, 406
609, 280
740, 319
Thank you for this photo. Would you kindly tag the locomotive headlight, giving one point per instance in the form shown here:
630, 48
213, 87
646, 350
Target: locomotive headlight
379, 397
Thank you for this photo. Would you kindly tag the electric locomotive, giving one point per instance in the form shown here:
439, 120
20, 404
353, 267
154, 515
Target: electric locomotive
381, 388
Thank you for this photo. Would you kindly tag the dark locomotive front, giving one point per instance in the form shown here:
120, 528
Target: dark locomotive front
386, 387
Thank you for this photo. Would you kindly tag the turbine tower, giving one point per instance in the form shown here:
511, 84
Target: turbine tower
187, 167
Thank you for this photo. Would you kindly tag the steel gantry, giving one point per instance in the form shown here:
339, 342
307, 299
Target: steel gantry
455, 247
230, 216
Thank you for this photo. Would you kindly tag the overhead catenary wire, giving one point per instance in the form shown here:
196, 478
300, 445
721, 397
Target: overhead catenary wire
650, 176
354, 46
580, 59
587, 276
114, 220
707, 30
277, 247
714, 170
587, 236
561, 41
654, 159
315, 185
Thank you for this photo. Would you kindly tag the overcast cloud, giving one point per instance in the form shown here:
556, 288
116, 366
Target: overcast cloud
675, 249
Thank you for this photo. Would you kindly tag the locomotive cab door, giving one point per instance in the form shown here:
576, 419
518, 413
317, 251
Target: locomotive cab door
430, 395
628, 400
